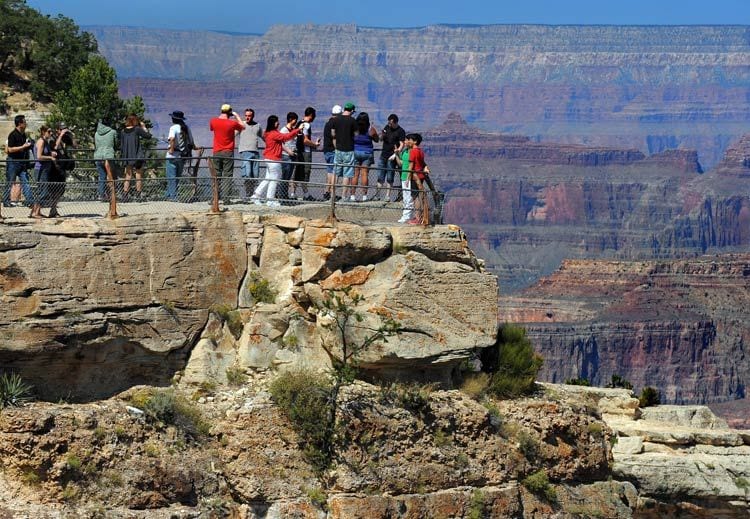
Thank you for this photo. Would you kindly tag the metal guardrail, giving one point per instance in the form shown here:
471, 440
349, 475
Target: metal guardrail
100, 189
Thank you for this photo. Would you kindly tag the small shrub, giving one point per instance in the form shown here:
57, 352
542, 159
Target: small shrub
73, 462
318, 497
260, 289
151, 450
595, 428
169, 408
495, 417
14, 391
528, 445
413, 397
538, 483
232, 317
441, 438
70, 492
236, 376
303, 397
120, 433
31, 477
578, 381
475, 385
649, 397
476, 505
100, 433
620, 382
742, 483
513, 363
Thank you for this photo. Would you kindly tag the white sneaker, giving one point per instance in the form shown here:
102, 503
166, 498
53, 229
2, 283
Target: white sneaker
364, 199
352, 198
403, 220
273, 203
256, 200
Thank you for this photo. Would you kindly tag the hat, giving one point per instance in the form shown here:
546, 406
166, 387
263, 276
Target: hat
336, 110
61, 126
177, 115
349, 107
226, 108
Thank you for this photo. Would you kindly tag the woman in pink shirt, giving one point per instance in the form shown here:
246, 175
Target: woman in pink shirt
272, 155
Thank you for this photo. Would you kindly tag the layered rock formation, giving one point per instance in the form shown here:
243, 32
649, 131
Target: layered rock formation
680, 326
684, 461
528, 205
96, 306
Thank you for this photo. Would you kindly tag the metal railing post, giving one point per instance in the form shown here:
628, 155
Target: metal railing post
214, 186
112, 194
332, 216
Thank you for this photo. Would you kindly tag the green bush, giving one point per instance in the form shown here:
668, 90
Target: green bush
513, 363
538, 483
620, 382
13, 390
260, 289
413, 397
475, 385
649, 397
170, 408
578, 381
236, 376
231, 317
305, 399
477, 505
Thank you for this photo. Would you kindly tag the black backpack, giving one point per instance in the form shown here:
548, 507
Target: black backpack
185, 142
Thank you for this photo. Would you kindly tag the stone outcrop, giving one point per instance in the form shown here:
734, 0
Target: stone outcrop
95, 306
684, 461
443, 454
680, 326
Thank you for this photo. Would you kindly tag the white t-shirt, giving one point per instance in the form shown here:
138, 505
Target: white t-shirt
288, 145
307, 133
174, 133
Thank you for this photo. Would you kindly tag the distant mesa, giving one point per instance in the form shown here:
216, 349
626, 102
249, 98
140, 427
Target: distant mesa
736, 161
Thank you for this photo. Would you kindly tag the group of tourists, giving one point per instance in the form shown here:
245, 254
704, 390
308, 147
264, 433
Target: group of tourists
51, 159
348, 150
286, 146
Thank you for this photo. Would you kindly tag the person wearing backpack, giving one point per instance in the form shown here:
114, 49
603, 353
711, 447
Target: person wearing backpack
180, 146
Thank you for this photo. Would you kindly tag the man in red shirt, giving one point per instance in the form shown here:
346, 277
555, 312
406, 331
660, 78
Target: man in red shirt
224, 127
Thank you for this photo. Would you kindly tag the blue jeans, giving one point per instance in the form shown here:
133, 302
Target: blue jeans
17, 169
344, 164
250, 168
387, 170
174, 171
101, 188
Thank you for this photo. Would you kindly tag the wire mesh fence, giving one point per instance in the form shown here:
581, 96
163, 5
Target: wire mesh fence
111, 188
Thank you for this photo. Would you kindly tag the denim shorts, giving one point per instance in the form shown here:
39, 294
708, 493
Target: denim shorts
364, 158
344, 164
329, 157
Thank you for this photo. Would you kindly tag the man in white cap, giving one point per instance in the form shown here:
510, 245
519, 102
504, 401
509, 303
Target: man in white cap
329, 151
224, 127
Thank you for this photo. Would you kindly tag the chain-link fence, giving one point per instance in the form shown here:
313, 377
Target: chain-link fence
111, 189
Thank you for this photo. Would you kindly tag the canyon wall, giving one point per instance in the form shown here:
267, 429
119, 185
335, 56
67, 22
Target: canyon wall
679, 325
649, 88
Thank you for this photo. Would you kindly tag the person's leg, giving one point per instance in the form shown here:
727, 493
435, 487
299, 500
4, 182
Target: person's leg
364, 180
139, 178
329, 158
23, 176
11, 171
126, 184
287, 170
355, 180
101, 185
390, 175
171, 172
262, 188
306, 172
407, 214
274, 174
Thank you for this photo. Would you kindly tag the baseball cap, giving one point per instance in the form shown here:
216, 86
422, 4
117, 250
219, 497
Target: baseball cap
226, 108
336, 110
349, 107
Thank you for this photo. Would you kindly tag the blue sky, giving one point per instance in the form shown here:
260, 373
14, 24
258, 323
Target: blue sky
252, 16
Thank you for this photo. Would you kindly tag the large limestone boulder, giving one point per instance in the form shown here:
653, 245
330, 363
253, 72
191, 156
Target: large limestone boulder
93, 306
440, 294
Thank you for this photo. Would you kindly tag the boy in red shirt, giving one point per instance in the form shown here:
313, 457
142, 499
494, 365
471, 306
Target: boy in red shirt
420, 176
